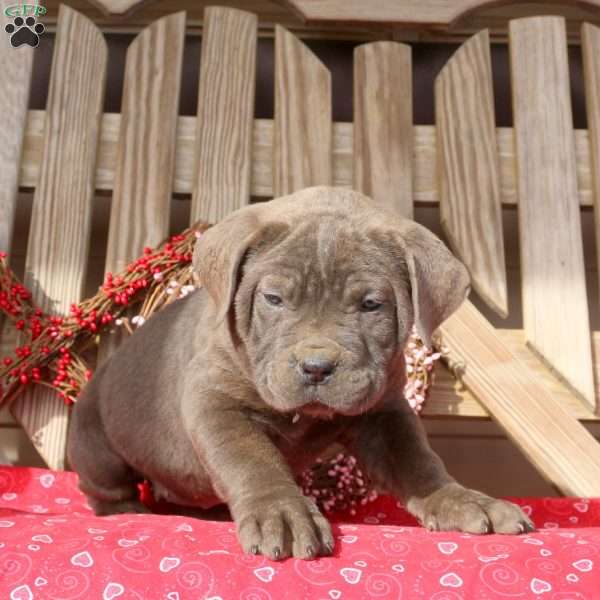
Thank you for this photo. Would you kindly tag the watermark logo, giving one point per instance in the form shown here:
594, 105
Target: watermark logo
24, 28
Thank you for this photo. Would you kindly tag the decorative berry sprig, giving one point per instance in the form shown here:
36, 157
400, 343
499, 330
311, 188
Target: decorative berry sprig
337, 484
51, 347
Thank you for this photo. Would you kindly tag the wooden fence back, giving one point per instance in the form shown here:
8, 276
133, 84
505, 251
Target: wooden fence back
223, 156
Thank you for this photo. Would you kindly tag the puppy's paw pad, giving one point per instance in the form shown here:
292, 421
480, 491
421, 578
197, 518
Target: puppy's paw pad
456, 508
279, 528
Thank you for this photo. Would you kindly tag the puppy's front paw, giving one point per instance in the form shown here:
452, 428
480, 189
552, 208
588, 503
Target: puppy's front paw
282, 527
454, 507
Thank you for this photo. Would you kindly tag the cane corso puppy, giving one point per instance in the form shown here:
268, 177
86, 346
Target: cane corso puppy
294, 341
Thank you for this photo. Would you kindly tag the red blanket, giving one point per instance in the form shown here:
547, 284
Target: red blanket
52, 546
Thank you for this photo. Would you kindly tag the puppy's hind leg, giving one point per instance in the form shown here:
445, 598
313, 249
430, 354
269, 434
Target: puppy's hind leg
109, 483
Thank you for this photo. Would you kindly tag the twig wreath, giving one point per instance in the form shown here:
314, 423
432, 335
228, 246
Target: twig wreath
52, 348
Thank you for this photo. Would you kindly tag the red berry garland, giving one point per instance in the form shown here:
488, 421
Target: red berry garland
51, 347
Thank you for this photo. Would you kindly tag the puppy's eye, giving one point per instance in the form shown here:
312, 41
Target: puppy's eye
370, 305
273, 299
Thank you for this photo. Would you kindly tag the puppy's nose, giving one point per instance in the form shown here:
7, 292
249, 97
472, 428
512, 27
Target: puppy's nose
316, 369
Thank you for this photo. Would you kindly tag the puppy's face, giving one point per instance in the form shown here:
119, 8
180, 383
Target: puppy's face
320, 290
323, 314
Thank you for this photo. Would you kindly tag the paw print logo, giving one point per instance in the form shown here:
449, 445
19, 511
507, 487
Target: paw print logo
24, 31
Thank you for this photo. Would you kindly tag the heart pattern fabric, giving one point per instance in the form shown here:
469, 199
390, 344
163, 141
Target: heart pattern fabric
52, 546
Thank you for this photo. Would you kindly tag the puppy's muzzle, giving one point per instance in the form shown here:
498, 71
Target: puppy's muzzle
316, 362
316, 369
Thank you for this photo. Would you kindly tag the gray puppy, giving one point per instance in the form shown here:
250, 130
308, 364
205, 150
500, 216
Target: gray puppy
295, 341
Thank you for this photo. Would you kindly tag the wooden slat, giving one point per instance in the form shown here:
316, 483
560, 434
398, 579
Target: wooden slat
225, 114
408, 12
383, 125
448, 398
552, 439
261, 181
15, 77
146, 147
302, 145
555, 309
469, 179
118, 7
62, 207
590, 45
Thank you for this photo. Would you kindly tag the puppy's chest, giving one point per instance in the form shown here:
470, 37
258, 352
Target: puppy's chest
301, 438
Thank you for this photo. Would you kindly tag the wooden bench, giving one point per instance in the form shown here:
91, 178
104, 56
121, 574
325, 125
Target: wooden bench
537, 383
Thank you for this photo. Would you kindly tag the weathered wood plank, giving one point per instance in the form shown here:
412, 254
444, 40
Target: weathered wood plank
469, 180
555, 309
386, 12
224, 128
261, 181
448, 398
15, 73
383, 125
62, 207
590, 46
302, 145
146, 147
551, 438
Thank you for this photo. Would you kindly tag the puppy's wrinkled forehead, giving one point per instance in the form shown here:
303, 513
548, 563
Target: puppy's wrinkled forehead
326, 253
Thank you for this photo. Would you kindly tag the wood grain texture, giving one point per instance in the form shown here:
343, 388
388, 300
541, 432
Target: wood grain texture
425, 185
448, 398
118, 7
146, 147
302, 145
15, 78
383, 125
551, 438
269, 12
62, 207
590, 46
415, 12
225, 114
555, 309
469, 179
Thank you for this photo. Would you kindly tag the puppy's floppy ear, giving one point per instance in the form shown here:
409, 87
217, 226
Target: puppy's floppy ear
439, 282
219, 253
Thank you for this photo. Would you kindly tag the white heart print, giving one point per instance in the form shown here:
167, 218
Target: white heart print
447, 547
348, 539
451, 580
45, 539
539, 586
351, 575
23, 592
335, 594
47, 479
113, 590
265, 574
584, 565
533, 541
168, 563
82, 559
